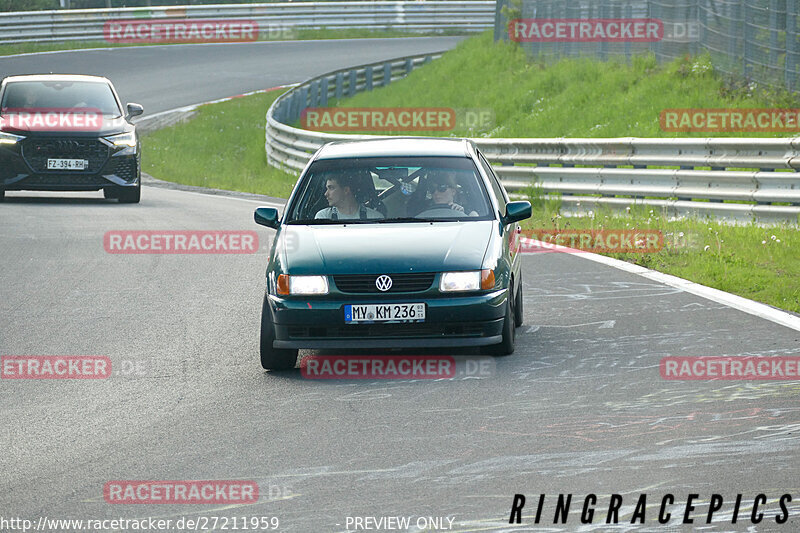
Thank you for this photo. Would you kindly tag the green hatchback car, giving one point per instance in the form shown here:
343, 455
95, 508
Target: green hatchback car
393, 243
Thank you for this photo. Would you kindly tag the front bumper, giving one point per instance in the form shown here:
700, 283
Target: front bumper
112, 170
451, 321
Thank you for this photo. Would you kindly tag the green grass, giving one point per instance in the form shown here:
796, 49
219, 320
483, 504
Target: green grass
570, 98
760, 263
289, 35
222, 147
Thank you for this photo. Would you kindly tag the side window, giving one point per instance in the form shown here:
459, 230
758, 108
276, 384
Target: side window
499, 193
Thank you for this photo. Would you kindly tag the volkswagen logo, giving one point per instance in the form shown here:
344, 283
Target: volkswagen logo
383, 283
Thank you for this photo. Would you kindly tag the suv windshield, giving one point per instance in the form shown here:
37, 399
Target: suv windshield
390, 189
26, 95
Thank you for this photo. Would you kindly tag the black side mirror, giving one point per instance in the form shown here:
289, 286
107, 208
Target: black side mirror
267, 216
516, 211
134, 110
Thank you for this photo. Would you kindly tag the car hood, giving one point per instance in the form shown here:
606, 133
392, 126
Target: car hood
385, 248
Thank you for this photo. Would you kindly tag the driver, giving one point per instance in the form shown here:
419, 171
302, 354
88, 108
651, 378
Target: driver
340, 194
443, 194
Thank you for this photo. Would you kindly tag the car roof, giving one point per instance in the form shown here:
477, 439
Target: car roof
395, 147
56, 77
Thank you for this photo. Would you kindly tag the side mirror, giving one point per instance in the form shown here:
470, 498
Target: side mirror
134, 110
267, 216
516, 211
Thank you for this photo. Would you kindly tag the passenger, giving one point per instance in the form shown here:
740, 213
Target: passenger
339, 191
443, 195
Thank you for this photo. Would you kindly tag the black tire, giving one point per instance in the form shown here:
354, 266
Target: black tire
506, 346
273, 358
130, 195
518, 306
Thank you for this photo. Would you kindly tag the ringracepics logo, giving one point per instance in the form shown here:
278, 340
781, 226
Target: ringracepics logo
180, 242
55, 367
730, 120
587, 240
669, 509
551, 30
51, 119
171, 492
180, 31
730, 368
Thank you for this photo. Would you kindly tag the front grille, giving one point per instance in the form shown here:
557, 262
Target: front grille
365, 283
37, 151
66, 180
124, 167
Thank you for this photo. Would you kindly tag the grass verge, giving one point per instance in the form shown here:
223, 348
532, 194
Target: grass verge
760, 263
222, 147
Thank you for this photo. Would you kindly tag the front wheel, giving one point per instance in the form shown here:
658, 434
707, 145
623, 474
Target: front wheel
506, 346
273, 358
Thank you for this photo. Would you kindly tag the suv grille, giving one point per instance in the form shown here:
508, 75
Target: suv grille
37, 151
365, 283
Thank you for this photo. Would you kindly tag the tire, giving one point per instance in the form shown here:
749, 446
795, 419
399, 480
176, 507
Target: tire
273, 358
130, 195
518, 306
506, 346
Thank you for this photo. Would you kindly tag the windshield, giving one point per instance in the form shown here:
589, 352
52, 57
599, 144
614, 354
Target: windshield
37, 95
390, 189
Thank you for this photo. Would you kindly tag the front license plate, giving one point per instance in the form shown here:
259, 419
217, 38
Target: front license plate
384, 313
67, 164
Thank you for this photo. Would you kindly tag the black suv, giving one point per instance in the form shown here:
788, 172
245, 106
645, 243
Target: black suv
68, 133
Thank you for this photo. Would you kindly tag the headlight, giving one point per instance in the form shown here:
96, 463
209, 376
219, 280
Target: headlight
123, 139
460, 281
8, 138
297, 285
467, 281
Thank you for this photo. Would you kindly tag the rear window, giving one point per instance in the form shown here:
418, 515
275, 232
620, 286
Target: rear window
21, 95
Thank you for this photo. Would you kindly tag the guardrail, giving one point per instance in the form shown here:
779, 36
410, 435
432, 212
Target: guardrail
732, 178
274, 19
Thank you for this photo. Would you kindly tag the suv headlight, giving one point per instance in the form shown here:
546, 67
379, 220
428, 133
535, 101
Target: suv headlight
297, 285
473, 280
9, 138
123, 139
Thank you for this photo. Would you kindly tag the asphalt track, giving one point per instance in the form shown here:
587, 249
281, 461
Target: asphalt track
579, 408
